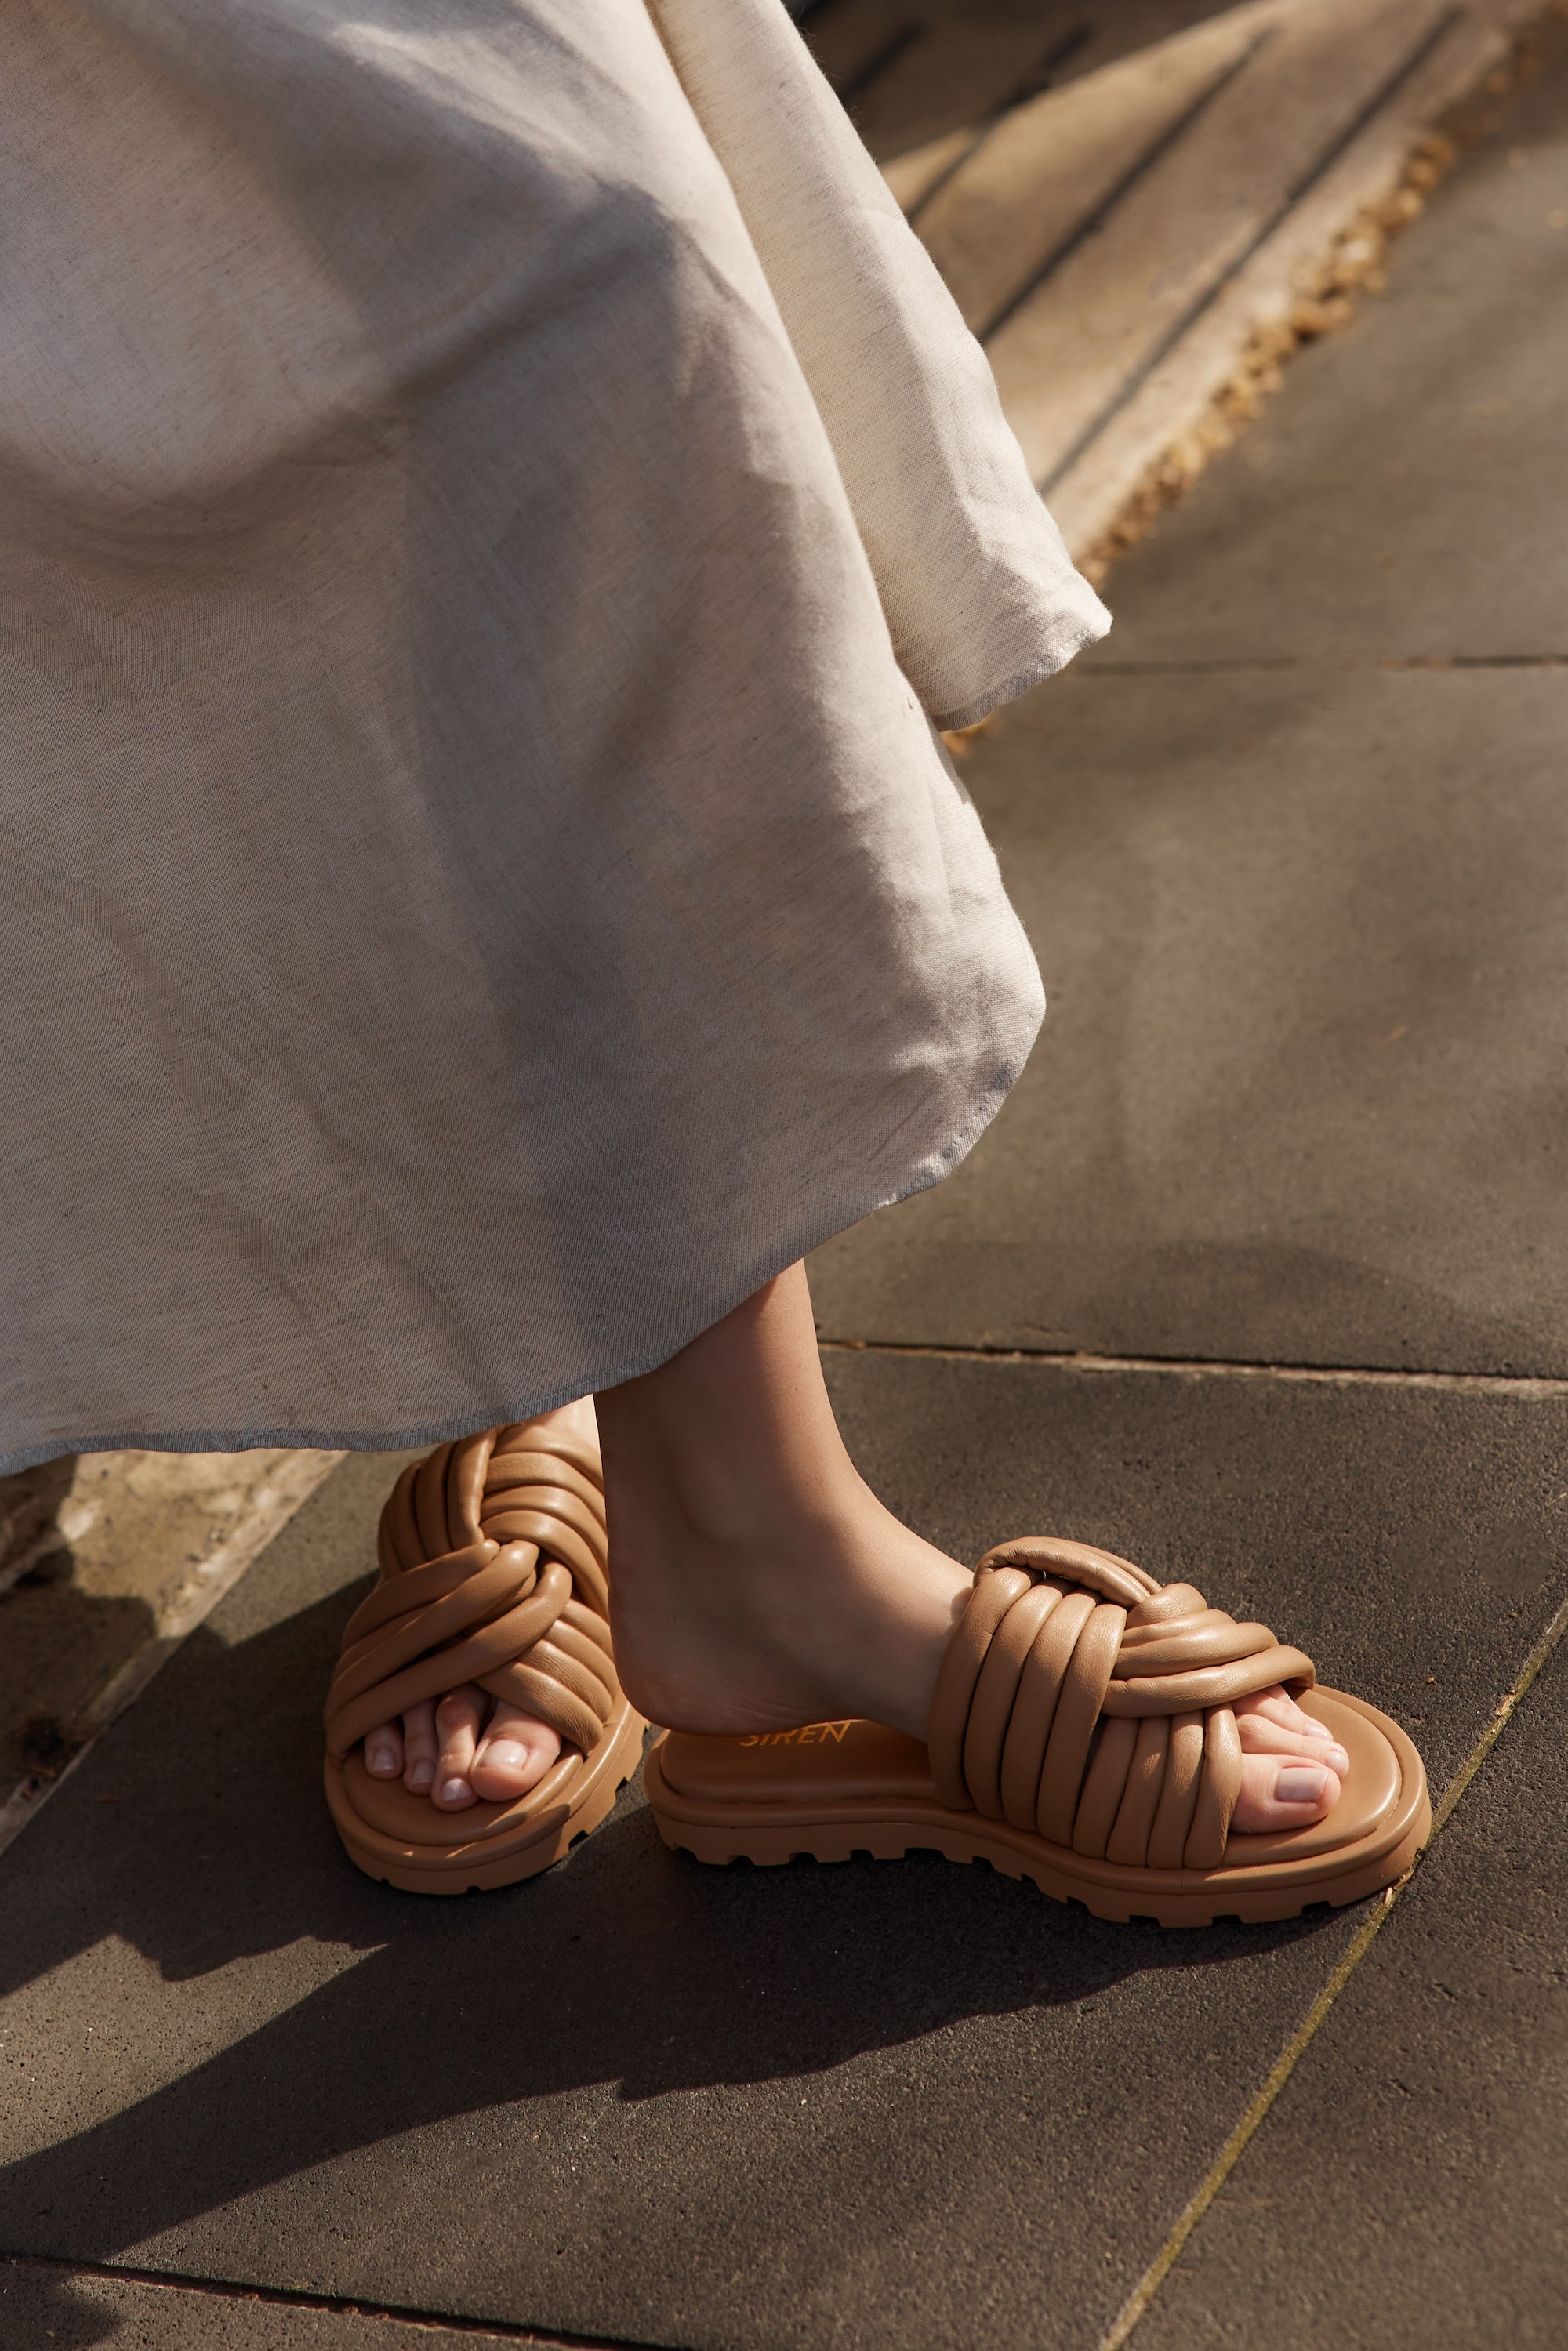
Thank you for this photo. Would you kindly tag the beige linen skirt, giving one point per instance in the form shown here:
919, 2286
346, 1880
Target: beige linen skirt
494, 507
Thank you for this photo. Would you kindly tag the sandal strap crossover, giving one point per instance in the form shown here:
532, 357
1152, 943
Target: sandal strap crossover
492, 1558
1081, 1700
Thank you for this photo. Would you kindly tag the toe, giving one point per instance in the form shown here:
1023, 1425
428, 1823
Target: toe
1277, 1706
384, 1751
420, 1748
1279, 1791
1260, 1735
457, 1720
514, 1755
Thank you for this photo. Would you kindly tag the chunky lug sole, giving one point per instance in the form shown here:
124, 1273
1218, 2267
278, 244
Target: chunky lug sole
832, 1789
403, 1840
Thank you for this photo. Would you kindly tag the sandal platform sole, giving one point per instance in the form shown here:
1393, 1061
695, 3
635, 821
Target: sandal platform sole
887, 1826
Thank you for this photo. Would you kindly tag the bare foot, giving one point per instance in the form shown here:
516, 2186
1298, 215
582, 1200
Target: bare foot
471, 1748
756, 1581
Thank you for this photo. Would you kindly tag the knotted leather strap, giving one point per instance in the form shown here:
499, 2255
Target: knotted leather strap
1081, 1700
492, 1556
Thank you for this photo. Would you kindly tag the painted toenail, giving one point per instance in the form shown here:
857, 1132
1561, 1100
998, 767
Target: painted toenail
382, 1758
1338, 1760
420, 1775
1304, 1785
454, 1791
507, 1754
1316, 1729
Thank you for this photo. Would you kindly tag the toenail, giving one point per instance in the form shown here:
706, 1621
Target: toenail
1303, 1785
454, 1791
507, 1754
384, 1759
1316, 1729
1338, 1760
420, 1775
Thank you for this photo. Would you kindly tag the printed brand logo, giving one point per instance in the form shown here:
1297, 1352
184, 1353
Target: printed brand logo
810, 1734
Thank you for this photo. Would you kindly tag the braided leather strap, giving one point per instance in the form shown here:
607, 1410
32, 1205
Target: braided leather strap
492, 1556
1081, 1700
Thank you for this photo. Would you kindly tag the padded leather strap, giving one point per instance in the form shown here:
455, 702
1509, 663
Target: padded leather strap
493, 1554
1081, 1700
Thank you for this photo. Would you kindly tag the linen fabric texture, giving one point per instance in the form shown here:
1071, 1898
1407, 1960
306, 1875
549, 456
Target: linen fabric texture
493, 498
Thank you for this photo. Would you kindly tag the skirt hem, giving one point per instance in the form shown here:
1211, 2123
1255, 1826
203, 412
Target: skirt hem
713, 1306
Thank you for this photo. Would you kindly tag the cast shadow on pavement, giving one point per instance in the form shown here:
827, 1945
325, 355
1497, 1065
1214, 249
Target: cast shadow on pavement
628, 1966
40, 2306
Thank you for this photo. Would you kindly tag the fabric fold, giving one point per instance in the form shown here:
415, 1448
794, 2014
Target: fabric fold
480, 892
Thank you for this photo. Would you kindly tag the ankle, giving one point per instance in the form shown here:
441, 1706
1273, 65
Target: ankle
750, 1566
843, 1608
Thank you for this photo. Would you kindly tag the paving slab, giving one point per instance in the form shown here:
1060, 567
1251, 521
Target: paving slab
1298, 1094
1298, 1098
42, 2304
1403, 498
906, 2105
1406, 2190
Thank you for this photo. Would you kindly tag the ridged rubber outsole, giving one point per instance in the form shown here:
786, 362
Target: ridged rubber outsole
1223, 1895
708, 1845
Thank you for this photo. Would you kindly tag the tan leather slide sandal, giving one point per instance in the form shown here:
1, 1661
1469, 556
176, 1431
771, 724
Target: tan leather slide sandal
1082, 1736
493, 1571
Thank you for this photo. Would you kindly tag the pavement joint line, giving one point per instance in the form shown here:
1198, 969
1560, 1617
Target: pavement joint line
493, 2330
1527, 1387
1284, 2065
1278, 664
1035, 85
858, 84
1427, 46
